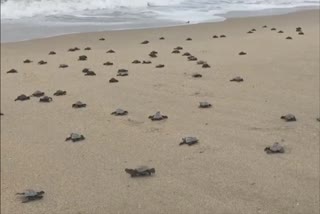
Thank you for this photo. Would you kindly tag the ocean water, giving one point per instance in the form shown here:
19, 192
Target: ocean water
28, 19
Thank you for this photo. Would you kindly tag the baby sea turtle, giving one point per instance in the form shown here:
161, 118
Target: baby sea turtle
157, 116
74, 137
201, 62
12, 71
242, 53
215, 36
38, 94
119, 112
289, 37
22, 97
87, 49
275, 148
273, 29
280, 31
41, 62
73, 49
102, 39
196, 75
90, 73
30, 195
63, 66
85, 70
237, 79
153, 54
298, 29
204, 105
52, 53
318, 119
27, 61
60, 93
145, 42
301, 33
253, 29
175, 52
123, 72
45, 99
188, 39
160, 66
113, 80
161, 38
1, 114
79, 104
136, 61
249, 32
205, 65
223, 36
192, 58
186, 54
110, 51
140, 171
82, 58
146, 62
189, 141
288, 118
178, 48
264, 26
108, 63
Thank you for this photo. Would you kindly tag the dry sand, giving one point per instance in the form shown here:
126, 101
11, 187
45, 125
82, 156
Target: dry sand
226, 173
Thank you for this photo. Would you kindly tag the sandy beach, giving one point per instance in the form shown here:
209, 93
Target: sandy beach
227, 172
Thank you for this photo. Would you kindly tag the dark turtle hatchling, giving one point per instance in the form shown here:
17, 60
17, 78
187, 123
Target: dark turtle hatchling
223, 36
145, 42
273, 29
73, 49
1, 114
74, 137
242, 53
45, 99
289, 37
186, 54
90, 73
157, 116
108, 63
189, 141
275, 148
215, 36
201, 62
249, 32
318, 119
113, 80
153, 54
196, 75
192, 58
298, 29
38, 94
161, 38
12, 71
60, 93
87, 49
52, 53
204, 105
205, 65
253, 29
264, 26
119, 112
136, 62
146, 62
160, 66
110, 51
188, 39
30, 195
280, 31
63, 66
178, 48
22, 97
79, 104
27, 61
123, 72
82, 58
102, 39
41, 62
175, 52
301, 33
288, 118
85, 70
237, 79
140, 171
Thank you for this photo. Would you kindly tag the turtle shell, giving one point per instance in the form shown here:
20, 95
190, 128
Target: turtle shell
189, 140
119, 111
289, 117
204, 104
38, 93
79, 104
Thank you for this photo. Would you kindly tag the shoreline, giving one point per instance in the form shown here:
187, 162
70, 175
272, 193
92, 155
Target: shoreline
227, 171
80, 28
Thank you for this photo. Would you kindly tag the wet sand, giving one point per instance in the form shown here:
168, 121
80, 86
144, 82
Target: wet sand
227, 172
